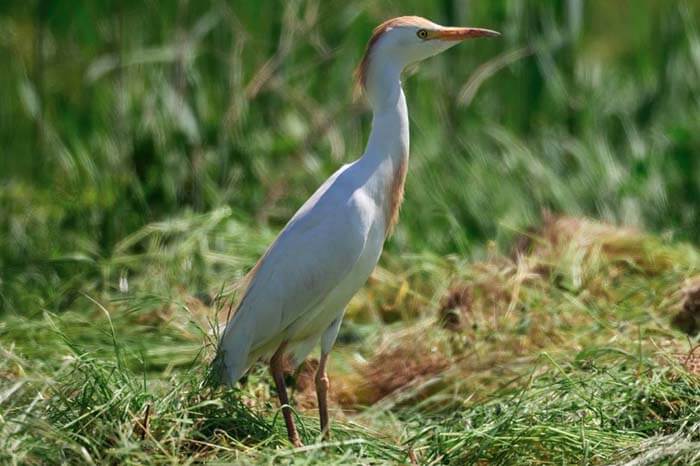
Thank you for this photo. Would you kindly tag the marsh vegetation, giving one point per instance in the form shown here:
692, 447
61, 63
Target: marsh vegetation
538, 303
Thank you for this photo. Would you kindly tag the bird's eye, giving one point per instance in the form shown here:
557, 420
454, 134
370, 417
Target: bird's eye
422, 33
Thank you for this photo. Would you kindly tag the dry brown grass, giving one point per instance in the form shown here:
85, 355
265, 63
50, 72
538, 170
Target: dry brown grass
398, 367
690, 360
506, 311
688, 319
455, 307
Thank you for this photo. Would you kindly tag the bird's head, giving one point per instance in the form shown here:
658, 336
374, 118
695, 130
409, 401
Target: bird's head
405, 40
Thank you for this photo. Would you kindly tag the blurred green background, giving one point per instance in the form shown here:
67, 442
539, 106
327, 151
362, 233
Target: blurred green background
117, 114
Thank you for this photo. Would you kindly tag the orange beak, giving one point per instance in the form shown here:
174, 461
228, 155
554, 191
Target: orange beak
456, 34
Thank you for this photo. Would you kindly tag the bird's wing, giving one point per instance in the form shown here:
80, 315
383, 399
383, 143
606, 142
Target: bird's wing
309, 258
300, 269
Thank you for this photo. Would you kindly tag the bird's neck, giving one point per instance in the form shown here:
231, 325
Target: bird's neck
388, 145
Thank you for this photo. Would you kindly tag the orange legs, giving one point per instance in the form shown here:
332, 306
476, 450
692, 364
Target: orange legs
322, 386
277, 370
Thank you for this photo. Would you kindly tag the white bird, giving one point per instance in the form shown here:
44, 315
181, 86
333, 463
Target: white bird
298, 290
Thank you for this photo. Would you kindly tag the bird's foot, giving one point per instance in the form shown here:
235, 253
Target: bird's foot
296, 442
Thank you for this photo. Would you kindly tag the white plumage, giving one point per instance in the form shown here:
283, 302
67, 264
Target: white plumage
299, 289
303, 282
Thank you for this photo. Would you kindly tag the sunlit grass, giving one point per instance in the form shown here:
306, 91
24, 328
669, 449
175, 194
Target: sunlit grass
564, 352
150, 152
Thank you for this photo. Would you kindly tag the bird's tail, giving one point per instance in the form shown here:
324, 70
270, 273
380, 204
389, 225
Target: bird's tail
232, 360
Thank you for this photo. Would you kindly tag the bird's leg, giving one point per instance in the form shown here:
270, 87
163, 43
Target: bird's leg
322, 386
277, 370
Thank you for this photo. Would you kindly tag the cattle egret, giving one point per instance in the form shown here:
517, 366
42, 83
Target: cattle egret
297, 292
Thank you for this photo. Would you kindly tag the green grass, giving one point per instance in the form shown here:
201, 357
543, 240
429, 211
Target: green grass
152, 150
564, 355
